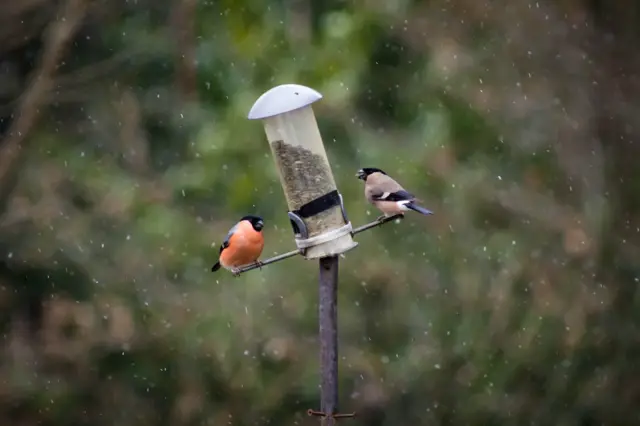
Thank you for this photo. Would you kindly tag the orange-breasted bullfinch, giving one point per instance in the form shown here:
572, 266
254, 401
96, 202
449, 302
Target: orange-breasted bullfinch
242, 246
388, 195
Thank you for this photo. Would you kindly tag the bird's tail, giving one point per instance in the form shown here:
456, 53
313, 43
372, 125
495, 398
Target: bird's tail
215, 267
418, 209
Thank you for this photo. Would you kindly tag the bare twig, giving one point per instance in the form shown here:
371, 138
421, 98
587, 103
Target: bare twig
134, 146
97, 70
56, 38
21, 22
75, 86
184, 14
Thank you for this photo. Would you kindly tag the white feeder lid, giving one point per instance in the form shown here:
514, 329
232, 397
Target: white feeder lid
281, 99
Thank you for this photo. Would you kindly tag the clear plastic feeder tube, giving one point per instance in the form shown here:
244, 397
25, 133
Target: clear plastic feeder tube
303, 166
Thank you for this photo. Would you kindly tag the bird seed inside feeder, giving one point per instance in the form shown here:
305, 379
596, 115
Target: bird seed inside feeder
306, 176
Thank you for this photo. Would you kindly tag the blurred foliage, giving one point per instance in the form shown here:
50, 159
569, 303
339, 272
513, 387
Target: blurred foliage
126, 156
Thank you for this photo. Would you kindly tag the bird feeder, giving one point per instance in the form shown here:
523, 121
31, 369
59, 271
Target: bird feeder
320, 224
316, 210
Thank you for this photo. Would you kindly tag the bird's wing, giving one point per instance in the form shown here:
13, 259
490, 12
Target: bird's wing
225, 243
400, 195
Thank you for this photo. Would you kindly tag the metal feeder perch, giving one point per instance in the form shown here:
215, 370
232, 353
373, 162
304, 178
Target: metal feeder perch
316, 211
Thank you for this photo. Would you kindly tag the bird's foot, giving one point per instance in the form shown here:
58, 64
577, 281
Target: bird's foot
235, 271
259, 264
387, 216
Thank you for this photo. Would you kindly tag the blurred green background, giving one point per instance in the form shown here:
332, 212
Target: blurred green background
126, 156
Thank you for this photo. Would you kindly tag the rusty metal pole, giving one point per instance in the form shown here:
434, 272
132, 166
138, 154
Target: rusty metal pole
328, 321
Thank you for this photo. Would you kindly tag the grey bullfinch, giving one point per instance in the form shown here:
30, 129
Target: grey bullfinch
387, 194
242, 246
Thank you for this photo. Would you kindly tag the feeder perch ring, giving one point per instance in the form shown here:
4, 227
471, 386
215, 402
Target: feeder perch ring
344, 212
323, 238
300, 228
311, 209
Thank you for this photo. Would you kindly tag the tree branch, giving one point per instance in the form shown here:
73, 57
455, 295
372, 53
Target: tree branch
56, 38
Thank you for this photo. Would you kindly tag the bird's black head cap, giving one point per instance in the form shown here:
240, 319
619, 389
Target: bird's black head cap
256, 222
366, 171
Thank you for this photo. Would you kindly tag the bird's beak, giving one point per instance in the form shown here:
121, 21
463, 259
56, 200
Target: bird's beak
361, 174
260, 225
